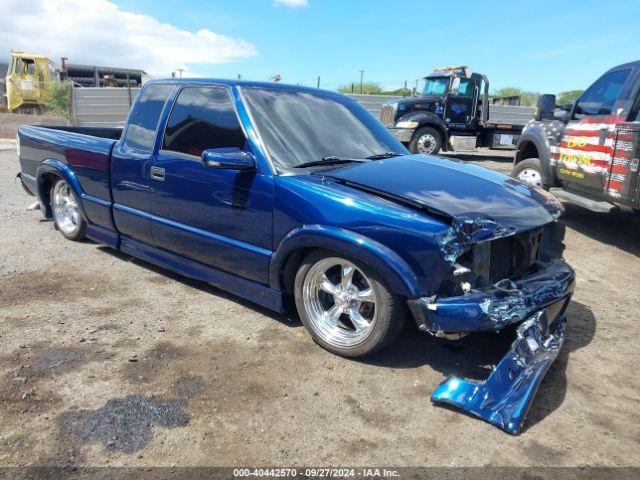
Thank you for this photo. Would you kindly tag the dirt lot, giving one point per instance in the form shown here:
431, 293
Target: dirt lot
108, 360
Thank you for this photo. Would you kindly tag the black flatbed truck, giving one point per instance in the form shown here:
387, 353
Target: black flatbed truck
454, 113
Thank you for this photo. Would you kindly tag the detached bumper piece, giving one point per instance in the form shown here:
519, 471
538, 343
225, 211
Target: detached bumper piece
505, 397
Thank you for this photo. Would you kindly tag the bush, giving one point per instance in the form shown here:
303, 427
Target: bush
58, 100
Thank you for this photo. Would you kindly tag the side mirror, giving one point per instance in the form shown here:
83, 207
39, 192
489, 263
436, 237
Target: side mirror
230, 158
546, 107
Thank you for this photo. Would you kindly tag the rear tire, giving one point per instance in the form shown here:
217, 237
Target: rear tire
65, 207
528, 171
426, 140
346, 306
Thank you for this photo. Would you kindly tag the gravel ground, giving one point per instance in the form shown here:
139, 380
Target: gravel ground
107, 360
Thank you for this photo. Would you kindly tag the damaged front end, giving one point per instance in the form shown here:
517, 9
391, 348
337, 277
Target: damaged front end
499, 278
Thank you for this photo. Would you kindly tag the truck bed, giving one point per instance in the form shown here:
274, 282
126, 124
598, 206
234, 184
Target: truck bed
510, 115
82, 153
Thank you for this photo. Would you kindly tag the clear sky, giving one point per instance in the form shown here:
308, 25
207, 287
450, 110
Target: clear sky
545, 46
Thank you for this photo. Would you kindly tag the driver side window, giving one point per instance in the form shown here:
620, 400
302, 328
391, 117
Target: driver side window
203, 118
600, 98
466, 88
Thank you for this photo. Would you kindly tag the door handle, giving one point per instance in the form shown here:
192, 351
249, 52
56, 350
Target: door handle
157, 173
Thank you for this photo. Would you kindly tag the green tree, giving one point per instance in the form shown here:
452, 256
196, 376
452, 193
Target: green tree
367, 87
568, 97
527, 99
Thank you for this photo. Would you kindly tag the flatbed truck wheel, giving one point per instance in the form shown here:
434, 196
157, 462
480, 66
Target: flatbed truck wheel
426, 140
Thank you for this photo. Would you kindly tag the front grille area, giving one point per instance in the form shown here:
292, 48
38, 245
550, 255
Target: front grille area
386, 114
495, 260
511, 256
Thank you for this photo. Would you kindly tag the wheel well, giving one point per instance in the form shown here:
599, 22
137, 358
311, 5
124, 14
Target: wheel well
435, 127
47, 181
291, 265
526, 150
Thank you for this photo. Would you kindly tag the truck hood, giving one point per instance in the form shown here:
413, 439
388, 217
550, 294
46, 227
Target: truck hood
479, 203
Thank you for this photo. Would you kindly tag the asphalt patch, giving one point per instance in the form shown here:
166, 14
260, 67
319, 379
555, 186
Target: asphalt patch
123, 424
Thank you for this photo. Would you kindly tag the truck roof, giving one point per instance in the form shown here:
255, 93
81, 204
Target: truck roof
28, 55
243, 83
634, 64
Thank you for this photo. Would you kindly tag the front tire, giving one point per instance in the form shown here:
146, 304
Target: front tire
528, 171
346, 306
426, 140
66, 211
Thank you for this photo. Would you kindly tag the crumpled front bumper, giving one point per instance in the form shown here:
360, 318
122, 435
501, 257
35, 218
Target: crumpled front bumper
538, 301
505, 397
495, 308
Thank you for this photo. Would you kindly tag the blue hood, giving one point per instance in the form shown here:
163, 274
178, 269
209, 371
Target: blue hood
458, 191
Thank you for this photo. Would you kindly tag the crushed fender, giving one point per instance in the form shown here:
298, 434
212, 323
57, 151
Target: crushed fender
466, 231
505, 397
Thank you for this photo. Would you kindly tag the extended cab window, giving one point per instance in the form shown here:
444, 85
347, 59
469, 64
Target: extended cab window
143, 121
202, 118
600, 97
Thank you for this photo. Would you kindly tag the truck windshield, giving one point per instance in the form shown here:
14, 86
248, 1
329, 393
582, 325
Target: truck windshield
436, 86
299, 127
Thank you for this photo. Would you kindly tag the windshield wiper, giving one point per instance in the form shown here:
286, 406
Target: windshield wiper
328, 161
381, 156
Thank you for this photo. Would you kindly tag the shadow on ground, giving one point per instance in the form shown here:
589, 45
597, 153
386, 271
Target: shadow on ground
289, 318
619, 229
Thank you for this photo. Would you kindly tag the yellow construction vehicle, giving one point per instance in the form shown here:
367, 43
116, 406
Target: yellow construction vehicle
29, 80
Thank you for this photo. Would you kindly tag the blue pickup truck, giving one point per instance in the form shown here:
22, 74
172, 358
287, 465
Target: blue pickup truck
274, 192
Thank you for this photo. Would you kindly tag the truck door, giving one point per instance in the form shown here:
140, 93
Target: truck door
131, 163
216, 217
622, 185
460, 103
584, 155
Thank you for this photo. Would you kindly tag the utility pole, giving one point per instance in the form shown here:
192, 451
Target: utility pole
318, 81
361, 79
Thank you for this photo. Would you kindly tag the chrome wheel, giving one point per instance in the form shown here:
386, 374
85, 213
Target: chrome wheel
427, 143
340, 302
530, 176
66, 211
